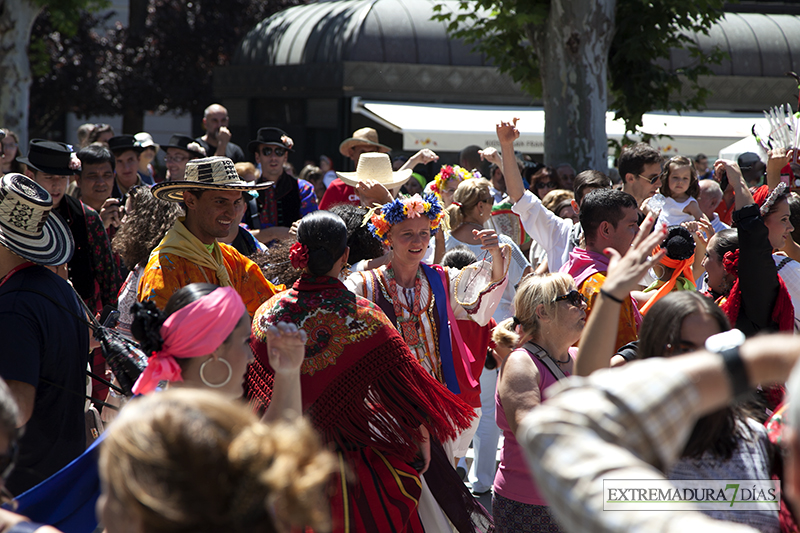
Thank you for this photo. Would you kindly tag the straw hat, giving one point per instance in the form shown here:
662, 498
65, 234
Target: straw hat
28, 227
378, 167
209, 173
364, 136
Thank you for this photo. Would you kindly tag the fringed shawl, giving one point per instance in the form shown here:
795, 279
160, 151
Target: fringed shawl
360, 383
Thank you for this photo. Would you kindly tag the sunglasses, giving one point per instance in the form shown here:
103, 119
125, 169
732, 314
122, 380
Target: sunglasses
546, 185
574, 298
278, 151
651, 180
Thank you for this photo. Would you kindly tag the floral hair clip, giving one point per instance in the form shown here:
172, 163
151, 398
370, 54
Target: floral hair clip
382, 218
770, 201
446, 174
298, 255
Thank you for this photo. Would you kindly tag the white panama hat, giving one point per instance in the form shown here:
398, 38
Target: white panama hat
378, 167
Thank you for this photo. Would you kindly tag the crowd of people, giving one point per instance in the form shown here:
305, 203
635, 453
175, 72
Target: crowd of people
326, 350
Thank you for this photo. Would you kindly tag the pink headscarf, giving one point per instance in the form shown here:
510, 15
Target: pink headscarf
192, 331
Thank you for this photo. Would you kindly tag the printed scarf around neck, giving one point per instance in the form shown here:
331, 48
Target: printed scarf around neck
584, 264
181, 242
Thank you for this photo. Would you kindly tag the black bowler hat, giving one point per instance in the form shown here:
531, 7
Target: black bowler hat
274, 136
123, 143
49, 157
182, 142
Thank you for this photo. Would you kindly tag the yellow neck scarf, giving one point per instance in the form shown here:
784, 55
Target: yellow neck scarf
181, 242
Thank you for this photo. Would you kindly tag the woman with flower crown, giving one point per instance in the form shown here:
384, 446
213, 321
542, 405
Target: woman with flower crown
364, 392
425, 303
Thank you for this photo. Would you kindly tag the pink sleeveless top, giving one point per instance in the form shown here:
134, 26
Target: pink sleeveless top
513, 479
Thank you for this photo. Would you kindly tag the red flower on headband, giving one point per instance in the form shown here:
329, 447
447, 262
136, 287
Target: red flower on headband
298, 255
730, 262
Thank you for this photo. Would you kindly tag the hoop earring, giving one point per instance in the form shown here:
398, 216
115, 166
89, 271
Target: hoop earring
660, 272
217, 385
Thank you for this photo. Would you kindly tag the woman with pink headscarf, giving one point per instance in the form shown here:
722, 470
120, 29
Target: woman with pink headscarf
202, 340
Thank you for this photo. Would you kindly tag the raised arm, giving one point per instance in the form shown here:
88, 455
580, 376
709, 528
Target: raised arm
600, 334
507, 133
631, 423
286, 347
736, 181
778, 158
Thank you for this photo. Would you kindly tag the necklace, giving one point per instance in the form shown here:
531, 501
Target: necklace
408, 326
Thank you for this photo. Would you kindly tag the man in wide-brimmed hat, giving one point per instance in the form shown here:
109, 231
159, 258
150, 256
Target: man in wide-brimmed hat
180, 150
93, 271
46, 344
364, 141
190, 252
290, 199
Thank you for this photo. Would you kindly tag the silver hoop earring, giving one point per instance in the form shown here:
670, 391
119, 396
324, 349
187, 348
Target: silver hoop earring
215, 385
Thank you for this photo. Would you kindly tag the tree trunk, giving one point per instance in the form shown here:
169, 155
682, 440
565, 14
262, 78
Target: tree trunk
16, 22
573, 52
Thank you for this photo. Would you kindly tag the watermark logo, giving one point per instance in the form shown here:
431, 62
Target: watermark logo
676, 495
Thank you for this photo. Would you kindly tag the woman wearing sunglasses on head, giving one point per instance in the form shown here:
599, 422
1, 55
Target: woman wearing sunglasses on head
549, 318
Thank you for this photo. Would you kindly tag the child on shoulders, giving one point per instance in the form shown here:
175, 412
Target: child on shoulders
678, 194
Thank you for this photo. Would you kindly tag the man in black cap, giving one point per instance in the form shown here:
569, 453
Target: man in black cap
753, 168
217, 139
126, 155
180, 150
47, 343
289, 199
92, 270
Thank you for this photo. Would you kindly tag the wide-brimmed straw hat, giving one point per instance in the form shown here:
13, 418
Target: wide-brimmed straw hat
49, 157
364, 136
28, 227
378, 167
209, 173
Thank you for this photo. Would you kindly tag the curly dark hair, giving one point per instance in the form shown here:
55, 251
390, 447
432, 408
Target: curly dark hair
148, 220
276, 265
363, 244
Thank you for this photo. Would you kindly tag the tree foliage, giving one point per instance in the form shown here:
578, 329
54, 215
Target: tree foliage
507, 32
165, 66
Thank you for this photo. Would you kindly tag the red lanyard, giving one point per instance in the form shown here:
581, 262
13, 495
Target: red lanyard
14, 270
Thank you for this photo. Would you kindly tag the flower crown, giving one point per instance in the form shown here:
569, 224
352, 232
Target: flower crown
446, 174
380, 222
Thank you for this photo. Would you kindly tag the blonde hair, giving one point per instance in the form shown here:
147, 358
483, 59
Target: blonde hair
191, 460
246, 168
556, 197
467, 195
534, 290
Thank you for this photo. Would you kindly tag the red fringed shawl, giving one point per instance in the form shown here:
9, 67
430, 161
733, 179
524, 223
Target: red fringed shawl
360, 383
782, 311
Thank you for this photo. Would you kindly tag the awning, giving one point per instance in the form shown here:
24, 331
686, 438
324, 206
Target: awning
450, 128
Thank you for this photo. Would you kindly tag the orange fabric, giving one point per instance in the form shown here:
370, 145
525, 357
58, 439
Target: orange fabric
627, 330
725, 211
166, 273
679, 266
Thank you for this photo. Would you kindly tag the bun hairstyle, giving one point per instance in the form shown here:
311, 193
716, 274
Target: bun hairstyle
191, 460
325, 236
533, 291
148, 319
363, 244
466, 197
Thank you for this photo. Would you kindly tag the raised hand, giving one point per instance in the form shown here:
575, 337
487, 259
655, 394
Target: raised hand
507, 132
287, 347
624, 272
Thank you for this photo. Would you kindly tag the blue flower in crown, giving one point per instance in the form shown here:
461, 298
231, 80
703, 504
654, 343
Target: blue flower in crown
400, 209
